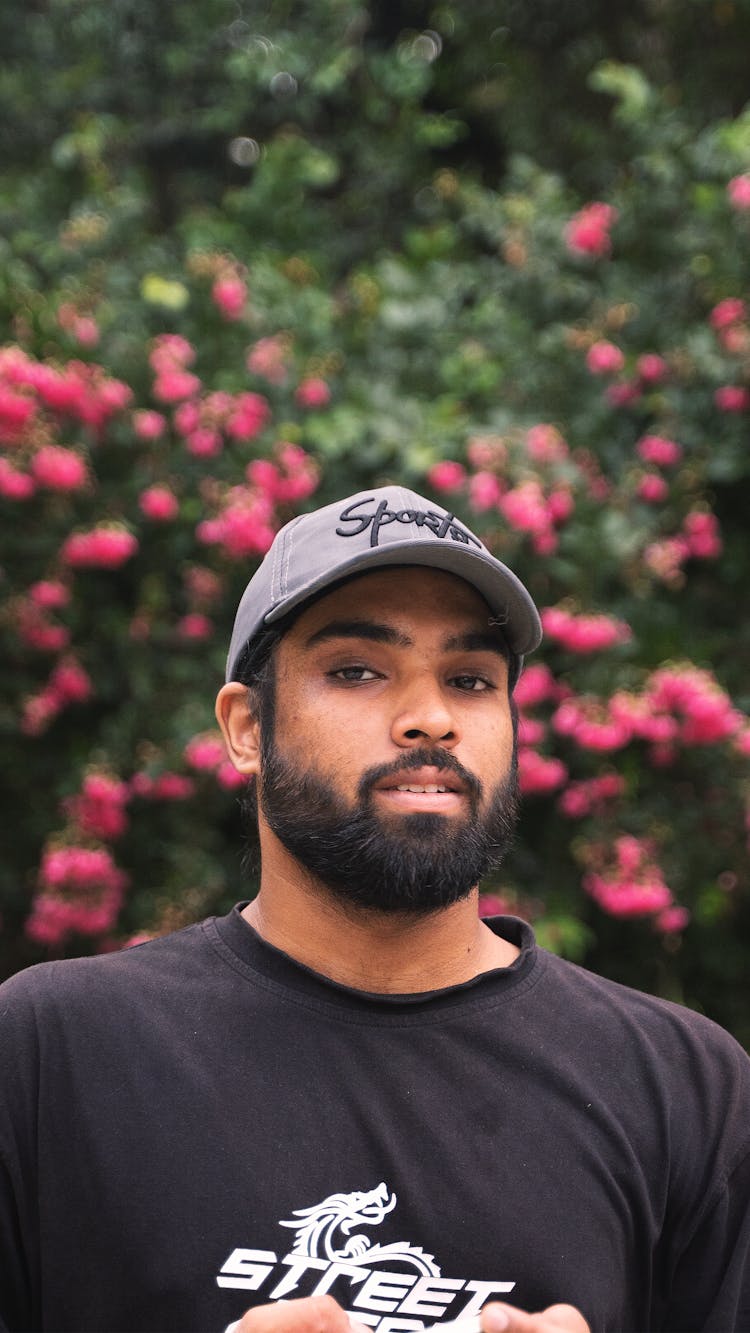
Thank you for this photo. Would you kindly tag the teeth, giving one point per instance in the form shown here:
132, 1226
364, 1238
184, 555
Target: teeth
430, 790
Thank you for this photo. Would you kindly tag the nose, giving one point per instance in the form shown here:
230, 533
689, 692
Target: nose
424, 714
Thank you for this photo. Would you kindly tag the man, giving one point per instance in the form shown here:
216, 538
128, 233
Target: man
351, 1103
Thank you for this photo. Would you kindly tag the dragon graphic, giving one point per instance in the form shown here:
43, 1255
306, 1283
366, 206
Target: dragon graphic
329, 1226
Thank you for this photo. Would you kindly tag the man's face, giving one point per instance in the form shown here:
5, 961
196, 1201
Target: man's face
388, 760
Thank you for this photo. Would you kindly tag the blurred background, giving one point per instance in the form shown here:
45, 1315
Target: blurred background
254, 257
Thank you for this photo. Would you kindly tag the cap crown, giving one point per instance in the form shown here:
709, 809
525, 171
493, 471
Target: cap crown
374, 529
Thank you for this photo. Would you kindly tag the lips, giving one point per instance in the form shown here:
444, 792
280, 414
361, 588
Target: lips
422, 781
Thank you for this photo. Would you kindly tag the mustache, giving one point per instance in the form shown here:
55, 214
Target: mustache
423, 758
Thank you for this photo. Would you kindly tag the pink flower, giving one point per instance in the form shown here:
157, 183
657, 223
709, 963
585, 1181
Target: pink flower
230, 295
166, 787
485, 490
16, 413
268, 358
195, 626
173, 383
203, 585
491, 904
49, 594
99, 808
538, 775
587, 232
229, 778
735, 339
665, 559
560, 505
622, 395
447, 476
525, 508
545, 444
81, 892
242, 527
106, 546
485, 451
206, 751
40, 634
603, 358
583, 634
703, 711
672, 920
642, 716
589, 724
149, 425
159, 503
732, 398
536, 685
85, 330
702, 535
59, 469
625, 880
250, 414
205, 442
656, 449
173, 787
187, 417
313, 392
652, 488
169, 350
38, 711
15, 485
79, 868
652, 369
643, 897
531, 731
70, 682
587, 796
738, 190
728, 312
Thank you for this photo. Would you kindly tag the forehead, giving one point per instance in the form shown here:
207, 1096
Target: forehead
411, 598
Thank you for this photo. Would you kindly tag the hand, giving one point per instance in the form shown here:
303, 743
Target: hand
308, 1314
499, 1318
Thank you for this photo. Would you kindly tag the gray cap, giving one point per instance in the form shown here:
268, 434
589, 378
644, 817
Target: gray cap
372, 530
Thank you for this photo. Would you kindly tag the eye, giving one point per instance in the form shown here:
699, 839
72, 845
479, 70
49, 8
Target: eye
353, 675
472, 684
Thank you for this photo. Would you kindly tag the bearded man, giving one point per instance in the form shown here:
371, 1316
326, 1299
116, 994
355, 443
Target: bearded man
351, 1103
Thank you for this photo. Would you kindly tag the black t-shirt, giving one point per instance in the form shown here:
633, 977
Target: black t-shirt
199, 1124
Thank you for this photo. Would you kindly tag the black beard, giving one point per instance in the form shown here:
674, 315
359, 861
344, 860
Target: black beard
414, 863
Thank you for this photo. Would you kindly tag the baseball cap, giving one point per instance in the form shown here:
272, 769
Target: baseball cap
373, 529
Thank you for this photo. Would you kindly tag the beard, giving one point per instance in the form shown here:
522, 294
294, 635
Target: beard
398, 863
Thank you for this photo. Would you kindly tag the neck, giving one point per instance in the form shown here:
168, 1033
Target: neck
386, 953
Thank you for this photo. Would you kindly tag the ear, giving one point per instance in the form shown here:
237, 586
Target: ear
240, 728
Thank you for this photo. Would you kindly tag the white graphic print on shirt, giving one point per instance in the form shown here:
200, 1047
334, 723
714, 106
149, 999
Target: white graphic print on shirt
373, 1281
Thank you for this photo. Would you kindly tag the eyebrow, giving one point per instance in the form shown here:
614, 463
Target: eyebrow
471, 641
477, 641
360, 629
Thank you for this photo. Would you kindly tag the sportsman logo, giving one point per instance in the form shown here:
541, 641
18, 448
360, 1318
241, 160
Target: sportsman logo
393, 1287
441, 525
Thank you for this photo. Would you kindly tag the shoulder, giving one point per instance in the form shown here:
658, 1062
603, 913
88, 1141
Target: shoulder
67, 985
662, 1054
655, 1025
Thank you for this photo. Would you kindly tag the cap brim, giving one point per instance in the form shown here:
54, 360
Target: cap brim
504, 593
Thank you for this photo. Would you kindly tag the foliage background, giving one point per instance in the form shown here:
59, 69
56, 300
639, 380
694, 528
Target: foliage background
370, 228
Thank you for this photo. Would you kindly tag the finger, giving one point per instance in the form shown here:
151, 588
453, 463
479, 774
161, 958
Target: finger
311, 1314
500, 1318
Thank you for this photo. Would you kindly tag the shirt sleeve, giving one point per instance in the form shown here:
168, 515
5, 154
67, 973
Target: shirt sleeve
15, 1314
18, 1188
710, 1289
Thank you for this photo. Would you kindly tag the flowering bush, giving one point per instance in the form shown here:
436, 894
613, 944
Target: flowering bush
570, 370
